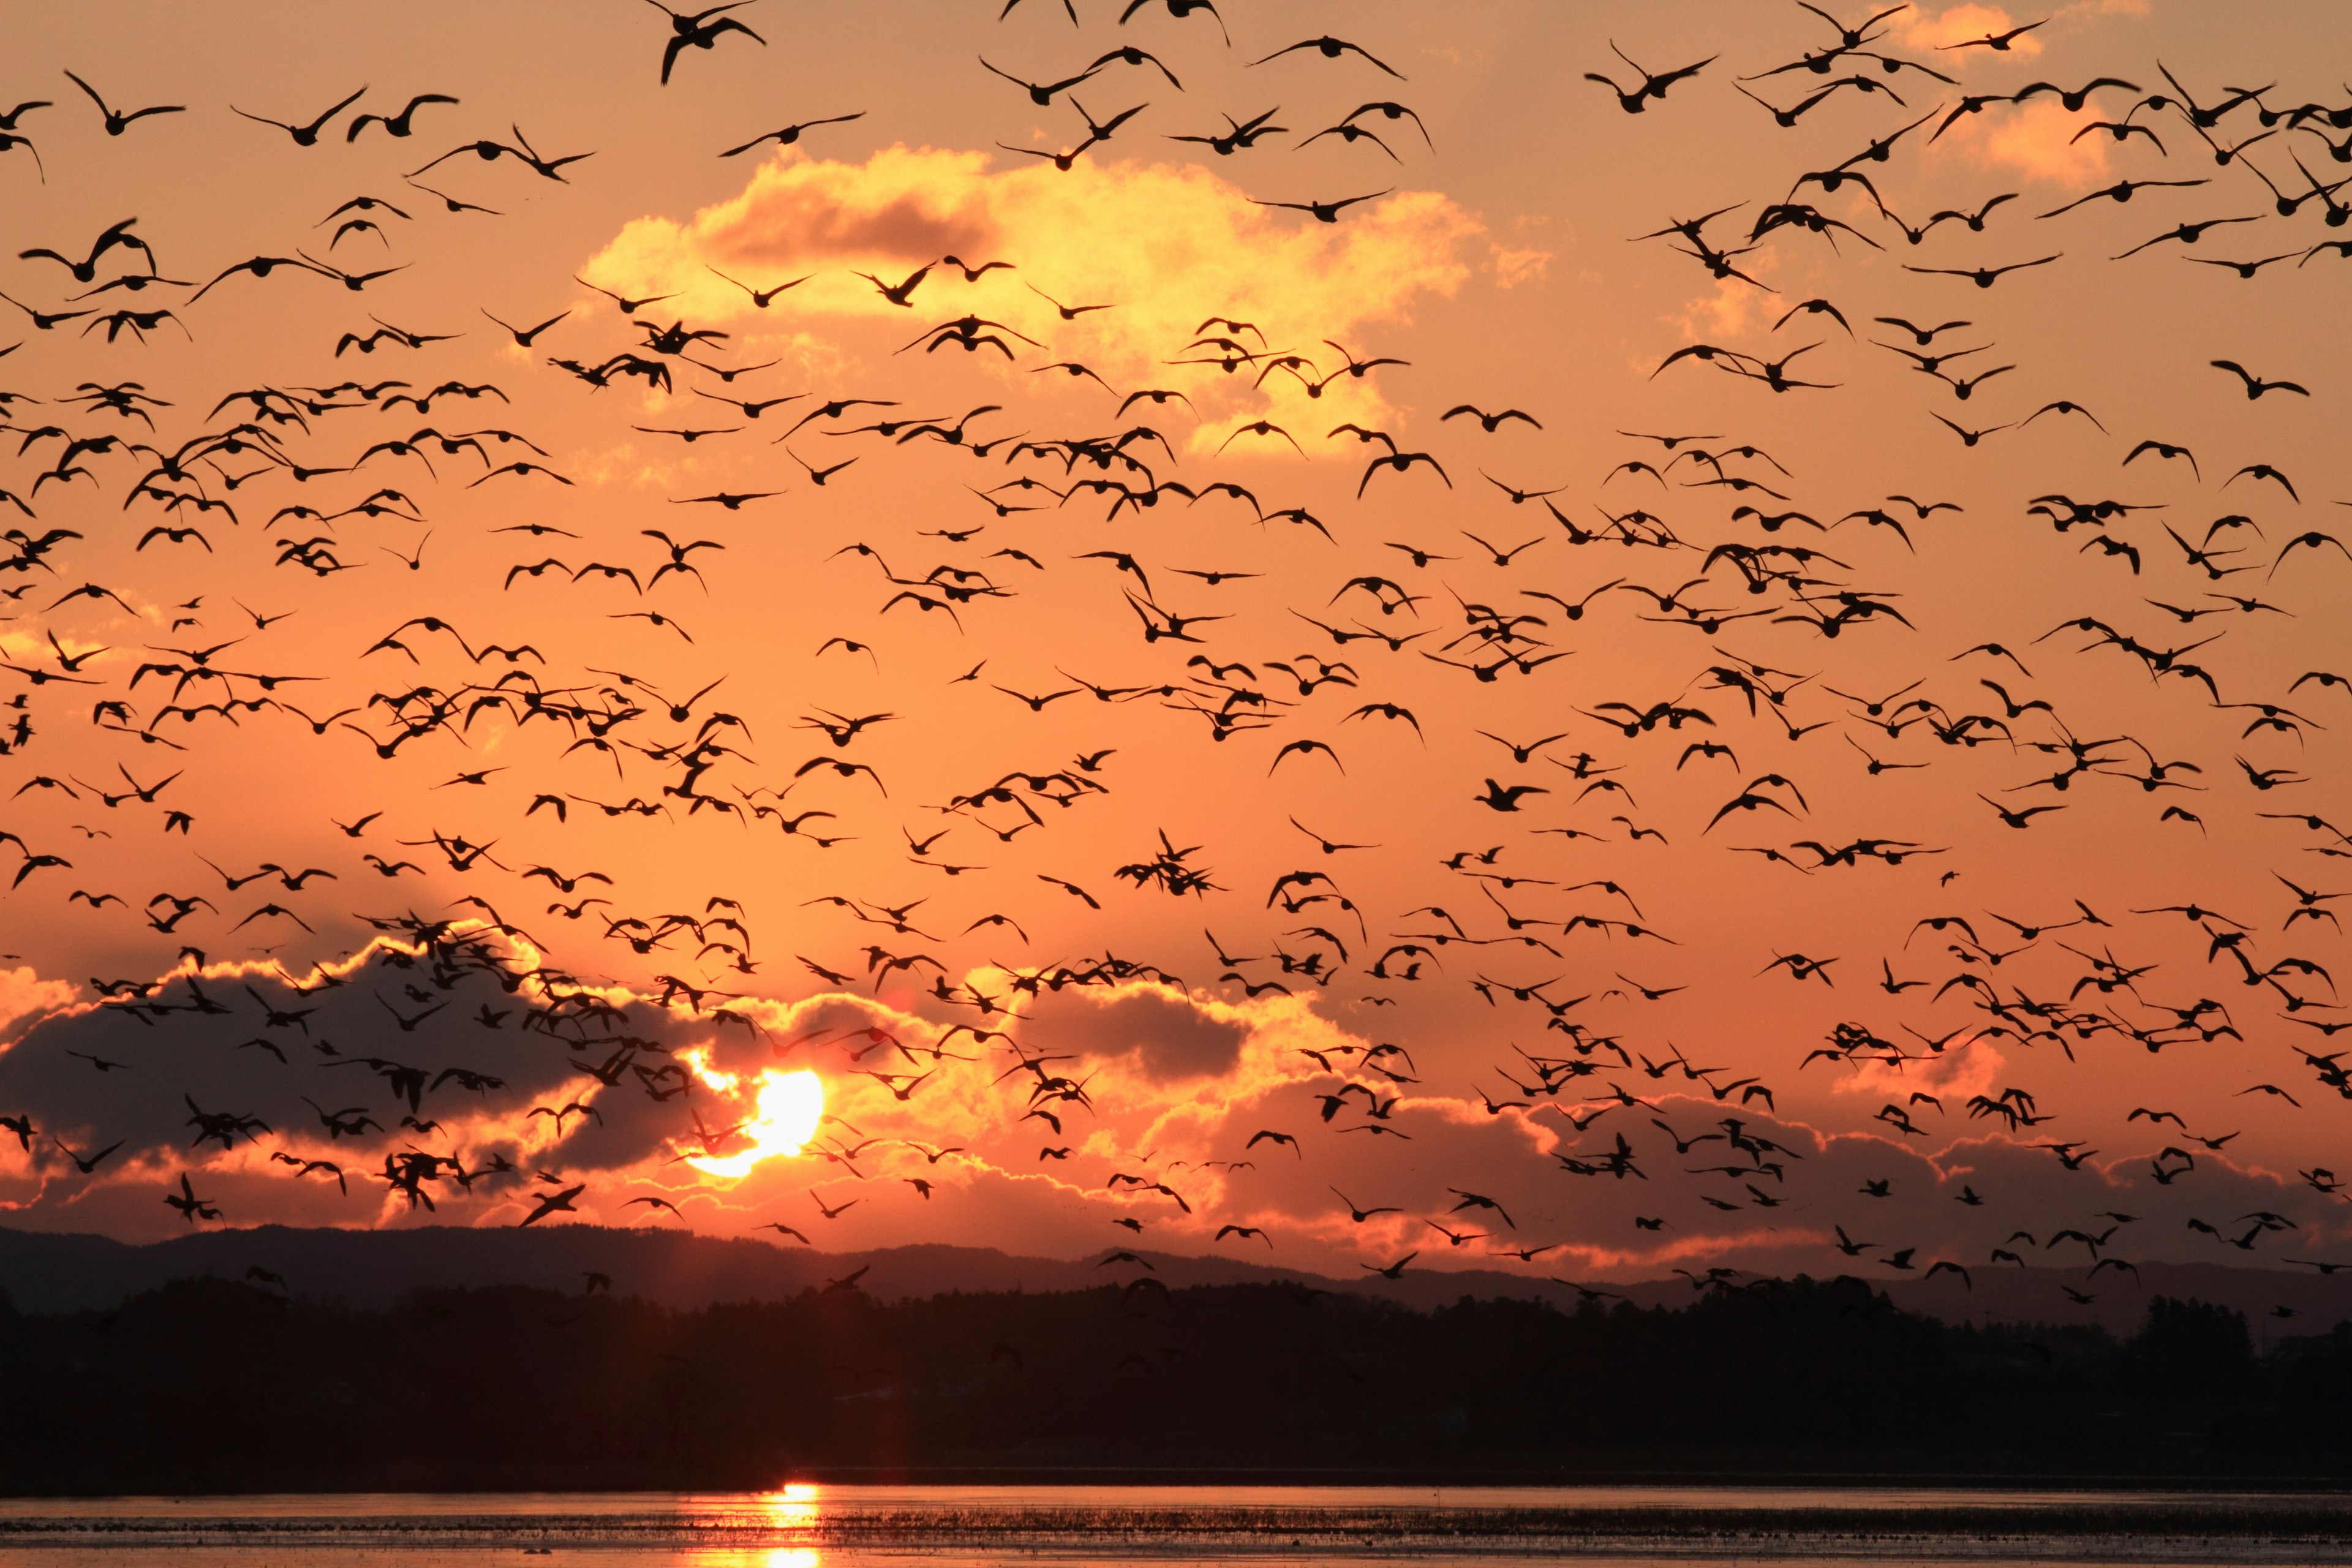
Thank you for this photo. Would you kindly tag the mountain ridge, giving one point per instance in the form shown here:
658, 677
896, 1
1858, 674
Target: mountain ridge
53, 1271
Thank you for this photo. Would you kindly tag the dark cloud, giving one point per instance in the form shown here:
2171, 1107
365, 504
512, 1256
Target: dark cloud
1781, 1223
401, 1038
1168, 1038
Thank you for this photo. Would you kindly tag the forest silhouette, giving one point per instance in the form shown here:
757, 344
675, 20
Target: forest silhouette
209, 1385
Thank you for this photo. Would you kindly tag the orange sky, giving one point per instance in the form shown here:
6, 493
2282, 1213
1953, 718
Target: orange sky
1497, 265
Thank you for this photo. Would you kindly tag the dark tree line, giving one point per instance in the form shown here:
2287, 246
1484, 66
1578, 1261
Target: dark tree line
206, 1385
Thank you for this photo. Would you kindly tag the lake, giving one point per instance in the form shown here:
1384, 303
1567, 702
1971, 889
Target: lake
829, 1526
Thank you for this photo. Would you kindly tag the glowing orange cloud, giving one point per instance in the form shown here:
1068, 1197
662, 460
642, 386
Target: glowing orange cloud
23, 994
1514, 265
1958, 23
1966, 1068
1168, 246
2038, 141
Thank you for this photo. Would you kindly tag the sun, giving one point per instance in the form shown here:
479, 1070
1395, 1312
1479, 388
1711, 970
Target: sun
784, 1118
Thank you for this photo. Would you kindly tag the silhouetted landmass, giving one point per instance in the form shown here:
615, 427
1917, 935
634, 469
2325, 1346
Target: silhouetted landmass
212, 1385
55, 1272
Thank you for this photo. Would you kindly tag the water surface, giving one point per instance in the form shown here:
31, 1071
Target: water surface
808, 1526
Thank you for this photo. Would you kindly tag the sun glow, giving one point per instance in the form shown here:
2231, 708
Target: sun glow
785, 1113
794, 1504
794, 1508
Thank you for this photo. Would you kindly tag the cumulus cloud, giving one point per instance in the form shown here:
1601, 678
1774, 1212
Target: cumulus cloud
23, 993
1733, 308
2039, 141
1965, 1069
1932, 30
1135, 1102
1169, 1035
396, 1048
1166, 245
241, 1041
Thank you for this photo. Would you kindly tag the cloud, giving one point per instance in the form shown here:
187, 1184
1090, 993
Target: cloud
2081, 10
1958, 23
23, 993
1170, 1035
1734, 308
1166, 246
201, 1042
1514, 265
488, 1037
2038, 141
1963, 1069
1170, 1086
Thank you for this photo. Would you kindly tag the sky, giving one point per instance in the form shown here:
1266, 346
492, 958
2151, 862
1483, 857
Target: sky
1755, 806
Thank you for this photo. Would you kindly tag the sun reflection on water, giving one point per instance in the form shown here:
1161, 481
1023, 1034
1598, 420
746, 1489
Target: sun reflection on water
793, 1507
791, 1511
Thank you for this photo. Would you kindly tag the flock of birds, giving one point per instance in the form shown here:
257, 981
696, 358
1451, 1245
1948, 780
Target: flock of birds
122, 686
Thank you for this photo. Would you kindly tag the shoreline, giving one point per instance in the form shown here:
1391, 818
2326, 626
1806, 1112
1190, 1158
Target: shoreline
2041, 1483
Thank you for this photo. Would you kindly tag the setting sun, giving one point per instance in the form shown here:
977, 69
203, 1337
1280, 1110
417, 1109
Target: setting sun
785, 1116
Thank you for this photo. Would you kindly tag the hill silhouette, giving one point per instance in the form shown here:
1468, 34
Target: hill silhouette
60, 1272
